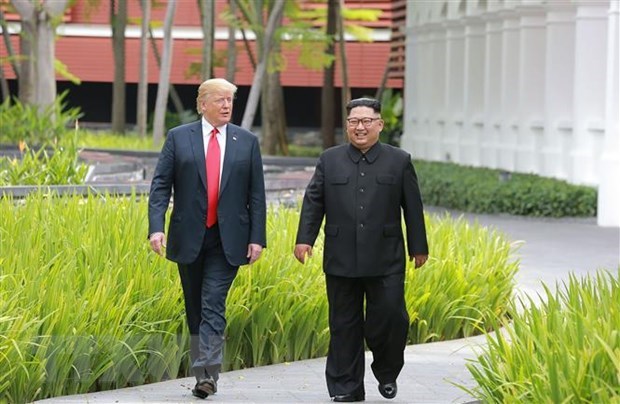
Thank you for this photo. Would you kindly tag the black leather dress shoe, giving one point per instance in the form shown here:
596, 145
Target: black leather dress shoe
204, 388
388, 390
348, 398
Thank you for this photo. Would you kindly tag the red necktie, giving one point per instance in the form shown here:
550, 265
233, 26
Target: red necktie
213, 178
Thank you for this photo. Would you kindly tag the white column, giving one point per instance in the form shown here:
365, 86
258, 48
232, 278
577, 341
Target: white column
455, 59
589, 83
532, 87
492, 91
609, 188
411, 93
559, 74
423, 79
473, 104
510, 90
437, 69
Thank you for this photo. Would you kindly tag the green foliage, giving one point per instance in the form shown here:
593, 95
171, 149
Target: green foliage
53, 164
86, 306
108, 140
28, 124
392, 114
468, 281
487, 190
564, 350
304, 151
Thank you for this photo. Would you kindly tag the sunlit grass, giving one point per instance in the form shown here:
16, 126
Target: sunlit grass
106, 140
85, 306
565, 350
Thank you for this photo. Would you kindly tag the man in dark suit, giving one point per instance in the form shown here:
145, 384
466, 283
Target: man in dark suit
361, 189
218, 219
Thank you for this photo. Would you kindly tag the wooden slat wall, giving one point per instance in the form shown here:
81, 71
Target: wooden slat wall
397, 48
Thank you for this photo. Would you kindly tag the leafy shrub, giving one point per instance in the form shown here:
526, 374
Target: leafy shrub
26, 123
54, 165
485, 190
86, 306
391, 112
566, 350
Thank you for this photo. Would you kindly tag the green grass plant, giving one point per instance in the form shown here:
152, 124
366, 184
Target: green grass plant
28, 123
563, 350
86, 306
107, 140
52, 164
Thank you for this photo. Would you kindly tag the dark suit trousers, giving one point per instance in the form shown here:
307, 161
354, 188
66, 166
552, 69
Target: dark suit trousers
384, 327
206, 283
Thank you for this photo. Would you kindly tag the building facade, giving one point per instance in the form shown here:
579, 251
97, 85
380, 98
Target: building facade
84, 45
521, 85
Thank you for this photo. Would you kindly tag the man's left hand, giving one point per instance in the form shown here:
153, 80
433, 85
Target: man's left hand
420, 259
254, 251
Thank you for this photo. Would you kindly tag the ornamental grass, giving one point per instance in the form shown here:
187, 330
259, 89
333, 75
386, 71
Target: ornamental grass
563, 350
85, 305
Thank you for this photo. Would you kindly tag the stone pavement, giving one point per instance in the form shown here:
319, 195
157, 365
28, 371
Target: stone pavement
550, 250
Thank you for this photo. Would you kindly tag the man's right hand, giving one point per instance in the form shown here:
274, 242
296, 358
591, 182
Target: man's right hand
301, 250
158, 242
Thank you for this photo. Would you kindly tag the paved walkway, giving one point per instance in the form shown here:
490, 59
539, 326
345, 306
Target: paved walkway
551, 249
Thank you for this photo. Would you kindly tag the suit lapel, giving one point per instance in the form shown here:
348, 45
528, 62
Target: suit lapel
229, 155
198, 148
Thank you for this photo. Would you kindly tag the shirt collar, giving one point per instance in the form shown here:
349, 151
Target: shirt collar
207, 128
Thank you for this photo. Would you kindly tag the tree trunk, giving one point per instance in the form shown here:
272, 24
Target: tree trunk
7, 42
345, 95
273, 115
207, 12
46, 75
164, 77
255, 91
4, 88
38, 78
118, 19
143, 85
27, 81
174, 96
231, 50
328, 93
280, 112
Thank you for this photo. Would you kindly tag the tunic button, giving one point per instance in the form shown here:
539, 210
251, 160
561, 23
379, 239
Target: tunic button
362, 225
362, 174
361, 189
361, 207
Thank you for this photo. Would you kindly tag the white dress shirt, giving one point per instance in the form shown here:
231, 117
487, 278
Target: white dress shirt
221, 139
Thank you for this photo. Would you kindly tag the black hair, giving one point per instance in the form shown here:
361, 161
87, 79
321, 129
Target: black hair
364, 102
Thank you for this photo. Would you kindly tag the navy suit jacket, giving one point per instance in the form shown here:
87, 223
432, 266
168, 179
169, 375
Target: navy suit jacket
242, 211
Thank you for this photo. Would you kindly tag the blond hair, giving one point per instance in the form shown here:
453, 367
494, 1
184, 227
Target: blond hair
211, 86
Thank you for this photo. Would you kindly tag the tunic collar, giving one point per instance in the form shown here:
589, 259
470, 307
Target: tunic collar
371, 155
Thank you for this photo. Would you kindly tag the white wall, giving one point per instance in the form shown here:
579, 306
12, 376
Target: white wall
522, 85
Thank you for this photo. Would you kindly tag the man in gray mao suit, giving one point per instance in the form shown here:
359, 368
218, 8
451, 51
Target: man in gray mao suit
362, 189
218, 219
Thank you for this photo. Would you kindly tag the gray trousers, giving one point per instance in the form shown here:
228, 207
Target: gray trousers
206, 283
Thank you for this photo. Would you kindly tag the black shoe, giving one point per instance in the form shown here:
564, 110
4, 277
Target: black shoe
388, 390
348, 398
204, 388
